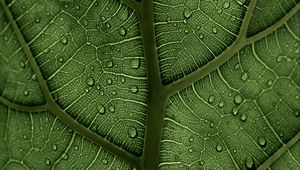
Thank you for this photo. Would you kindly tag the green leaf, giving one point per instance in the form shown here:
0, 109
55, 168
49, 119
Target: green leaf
210, 84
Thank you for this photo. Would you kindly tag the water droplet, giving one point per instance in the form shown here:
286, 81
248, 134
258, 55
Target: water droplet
226, 5
244, 76
187, 13
235, 110
191, 150
37, 20
86, 90
64, 40
191, 139
122, 31
60, 59
112, 109
104, 161
238, 99
90, 81
186, 31
237, 66
134, 89
211, 99
47, 161
232, 18
101, 109
219, 148
132, 132
123, 79
77, 7
201, 36
103, 18
65, 156
270, 82
214, 30
85, 22
5, 38
54, 147
26, 93
107, 25
109, 81
249, 163
211, 125
297, 114
219, 11
135, 63
22, 64
243, 117
221, 104
261, 141
110, 64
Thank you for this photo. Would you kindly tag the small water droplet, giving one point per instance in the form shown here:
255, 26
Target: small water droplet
226, 5
186, 31
235, 110
101, 109
232, 18
237, 66
110, 64
22, 64
112, 109
54, 147
261, 141
270, 82
77, 7
122, 31
26, 93
187, 13
123, 80
211, 125
103, 18
109, 81
135, 63
219, 148
132, 132
221, 104
65, 156
104, 161
47, 161
37, 20
296, 113
191, 139
107, 25
90, 81
64, 40
215, 30
85, 22
134, 89
249, 163
243, 117
238, 99
211, 99
201, 36
244, 76
219, 11
191, 150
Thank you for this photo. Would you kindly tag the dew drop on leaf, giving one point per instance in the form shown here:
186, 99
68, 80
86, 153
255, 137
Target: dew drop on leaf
112, 109
219, 11
108, 25
134, 89
26, 93
22, 64
261, 141
201, 36
123, 80
187, 13
244, 76
37, 20
47, 161
249, 163
211, 99
54, 147
60, 59
109, 81
122, 31
101, 109
221, 104
243, 117
219, 148
232, 18
214, 30
191, 139
103, 18
104, 161
90, 81
270, 82
234, 110
77, 7
110, 64
237, 66
65, 156
226, 5
64, 40
135, 63
191, 150
132, 132
238, 99
297, 114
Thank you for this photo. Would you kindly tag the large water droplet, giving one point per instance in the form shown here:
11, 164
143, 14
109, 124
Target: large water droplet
132, 132
219, 148
90, 81
134, 89
238, 99
135, 63
187, 13
226, 5
122, 31
249, 163
101, 109
243, 117
261, 141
